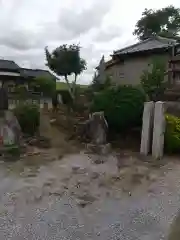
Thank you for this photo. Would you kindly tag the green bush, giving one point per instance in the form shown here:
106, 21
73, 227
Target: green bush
28, 116
172, 134
122, 106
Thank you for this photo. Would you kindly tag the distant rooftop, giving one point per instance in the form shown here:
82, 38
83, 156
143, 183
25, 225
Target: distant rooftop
26, 72
8, 65
11, 66
148, 44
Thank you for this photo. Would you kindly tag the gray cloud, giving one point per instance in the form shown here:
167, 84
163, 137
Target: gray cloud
104, 35
82, 22
70, 24
21, 39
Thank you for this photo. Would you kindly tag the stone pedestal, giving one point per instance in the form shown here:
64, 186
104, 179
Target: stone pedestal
147, 128
159, 130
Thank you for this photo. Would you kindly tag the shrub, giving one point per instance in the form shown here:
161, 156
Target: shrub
28, 116
172, 134
122, 106
45, 85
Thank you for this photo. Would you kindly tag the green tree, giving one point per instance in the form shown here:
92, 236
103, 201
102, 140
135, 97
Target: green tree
122, 106
164, 22
45, 85
153, 80
97, 86
65, 61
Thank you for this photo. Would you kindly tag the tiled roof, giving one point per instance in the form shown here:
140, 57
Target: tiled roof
9, 65
36, 73
149, 44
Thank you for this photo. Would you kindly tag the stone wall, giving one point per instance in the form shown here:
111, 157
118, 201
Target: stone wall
31, 98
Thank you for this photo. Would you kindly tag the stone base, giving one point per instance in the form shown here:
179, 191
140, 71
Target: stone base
103, 149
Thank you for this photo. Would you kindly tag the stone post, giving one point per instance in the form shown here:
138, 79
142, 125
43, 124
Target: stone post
147, 128
45, 125
159, 130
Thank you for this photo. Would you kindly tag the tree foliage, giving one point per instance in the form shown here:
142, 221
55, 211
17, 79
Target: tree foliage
65, 60
163, 22
122, 106
97, 85
172, 134
153, 80
45, 85
28, 117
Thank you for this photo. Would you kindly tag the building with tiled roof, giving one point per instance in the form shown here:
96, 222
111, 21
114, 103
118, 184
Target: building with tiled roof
127, 64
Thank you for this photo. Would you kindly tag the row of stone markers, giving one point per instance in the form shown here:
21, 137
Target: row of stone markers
153, 129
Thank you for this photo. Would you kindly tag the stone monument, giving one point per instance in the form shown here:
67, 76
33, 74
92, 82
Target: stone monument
10, 131
97, 128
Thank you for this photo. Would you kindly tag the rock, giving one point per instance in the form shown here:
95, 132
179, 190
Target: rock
85, 199
44, 143
10, 130
98, 128
33, 153
78, 170
94, 175
40, 142
82, 203
103, 149
99, 160
151, 177
57, 192
94, 129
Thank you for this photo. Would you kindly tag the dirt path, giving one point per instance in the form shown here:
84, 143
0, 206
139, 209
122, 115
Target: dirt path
73, 198
51, 195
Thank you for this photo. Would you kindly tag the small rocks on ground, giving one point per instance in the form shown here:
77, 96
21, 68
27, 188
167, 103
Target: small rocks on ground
78, 170
85, 199
99, 160
94, 175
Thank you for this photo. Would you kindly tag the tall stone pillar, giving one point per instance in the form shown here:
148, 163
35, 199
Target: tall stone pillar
159, 130
147, 128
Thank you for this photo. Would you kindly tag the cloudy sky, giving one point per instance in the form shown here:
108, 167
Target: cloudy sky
100, 26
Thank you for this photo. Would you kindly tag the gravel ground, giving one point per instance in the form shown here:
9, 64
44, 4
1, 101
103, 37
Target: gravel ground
29, 209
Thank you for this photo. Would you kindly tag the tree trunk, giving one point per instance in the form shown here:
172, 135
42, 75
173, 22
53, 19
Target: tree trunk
74, 85
69, 88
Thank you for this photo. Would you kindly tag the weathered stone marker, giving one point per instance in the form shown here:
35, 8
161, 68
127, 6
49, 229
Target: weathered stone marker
147, 128
11, 130
96, 128
159, 130
45, 130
